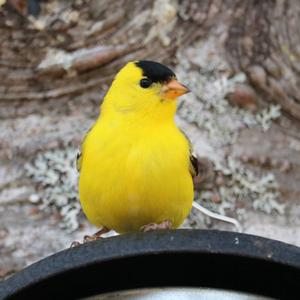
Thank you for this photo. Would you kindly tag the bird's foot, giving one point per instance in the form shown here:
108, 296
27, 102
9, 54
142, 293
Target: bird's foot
75, 244
90, 238
154, 226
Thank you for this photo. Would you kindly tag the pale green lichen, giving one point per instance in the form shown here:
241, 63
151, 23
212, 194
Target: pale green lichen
220, 123
243, 183
164, 14
55, 176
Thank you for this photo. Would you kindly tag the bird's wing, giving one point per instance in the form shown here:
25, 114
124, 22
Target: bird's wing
78, 160
193, 159
193, 165
79, 154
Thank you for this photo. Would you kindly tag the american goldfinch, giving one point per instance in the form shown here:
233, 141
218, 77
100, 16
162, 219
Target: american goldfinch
136, 166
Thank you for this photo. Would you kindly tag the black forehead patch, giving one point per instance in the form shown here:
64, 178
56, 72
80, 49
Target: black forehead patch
155, 71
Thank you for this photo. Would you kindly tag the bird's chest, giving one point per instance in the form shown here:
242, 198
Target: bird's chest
148, 156
132, 159
135, 167
135, 180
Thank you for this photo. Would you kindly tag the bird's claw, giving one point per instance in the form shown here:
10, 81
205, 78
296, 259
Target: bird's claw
86, 239
75, 244
154, 226
90, 238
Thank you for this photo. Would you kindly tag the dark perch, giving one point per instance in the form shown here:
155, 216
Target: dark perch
224, 260
50, 108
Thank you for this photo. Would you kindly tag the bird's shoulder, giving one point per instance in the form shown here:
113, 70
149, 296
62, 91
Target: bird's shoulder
193, 166
80, 151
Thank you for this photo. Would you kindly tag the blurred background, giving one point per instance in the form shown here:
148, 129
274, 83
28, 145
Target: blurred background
57, 60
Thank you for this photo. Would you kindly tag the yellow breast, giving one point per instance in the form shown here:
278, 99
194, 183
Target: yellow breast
134, 175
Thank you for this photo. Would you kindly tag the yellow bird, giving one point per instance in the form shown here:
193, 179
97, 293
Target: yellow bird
136, 166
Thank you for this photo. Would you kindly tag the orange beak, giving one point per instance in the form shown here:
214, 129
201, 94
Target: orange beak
173, 89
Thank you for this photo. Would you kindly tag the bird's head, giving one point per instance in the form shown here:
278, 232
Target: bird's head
144, 86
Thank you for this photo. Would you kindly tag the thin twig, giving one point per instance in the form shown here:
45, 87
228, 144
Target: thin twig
213, 215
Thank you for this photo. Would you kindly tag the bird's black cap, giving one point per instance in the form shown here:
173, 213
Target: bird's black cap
155, 71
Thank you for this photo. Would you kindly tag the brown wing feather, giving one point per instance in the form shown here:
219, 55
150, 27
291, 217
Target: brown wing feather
194, 165
79, 154
193, 159
78, 161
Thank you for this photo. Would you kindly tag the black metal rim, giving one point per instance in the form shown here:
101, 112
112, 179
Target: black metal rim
181, 258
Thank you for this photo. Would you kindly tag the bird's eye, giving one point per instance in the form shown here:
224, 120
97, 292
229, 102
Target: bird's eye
145, 83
